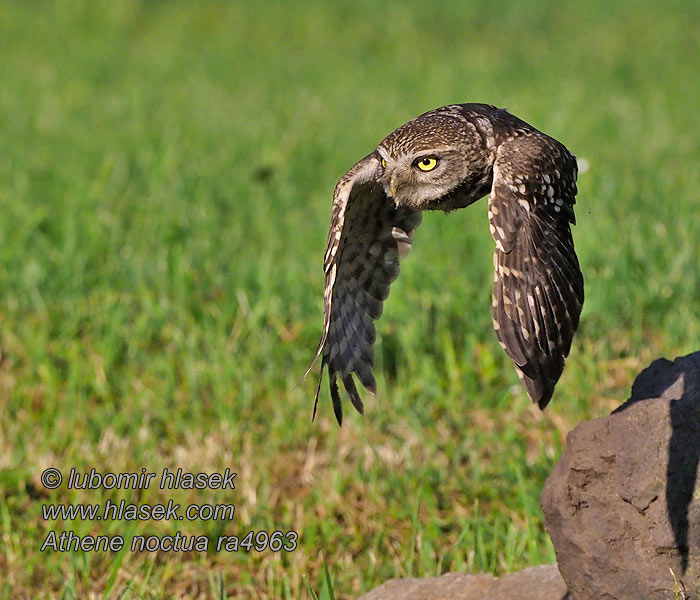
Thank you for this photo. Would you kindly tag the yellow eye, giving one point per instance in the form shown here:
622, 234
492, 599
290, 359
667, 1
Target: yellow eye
383, 164
427, 163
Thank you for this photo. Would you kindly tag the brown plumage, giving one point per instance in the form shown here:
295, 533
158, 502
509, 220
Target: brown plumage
443, 160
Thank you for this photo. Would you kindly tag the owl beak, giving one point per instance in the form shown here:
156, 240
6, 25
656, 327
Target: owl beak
392, 185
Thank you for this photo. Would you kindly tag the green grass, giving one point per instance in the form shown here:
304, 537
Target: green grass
165, 182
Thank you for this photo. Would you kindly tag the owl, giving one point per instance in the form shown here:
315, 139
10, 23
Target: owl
444, 160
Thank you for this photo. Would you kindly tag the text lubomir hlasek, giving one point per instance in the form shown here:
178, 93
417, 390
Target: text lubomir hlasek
169, 480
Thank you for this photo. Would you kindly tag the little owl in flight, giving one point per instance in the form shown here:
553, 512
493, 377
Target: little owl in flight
443, 160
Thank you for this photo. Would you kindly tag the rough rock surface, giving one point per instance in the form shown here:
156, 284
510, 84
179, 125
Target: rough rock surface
535, 583
623, 504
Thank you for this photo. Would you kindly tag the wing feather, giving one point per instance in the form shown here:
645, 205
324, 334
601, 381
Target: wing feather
538, 286
367, 238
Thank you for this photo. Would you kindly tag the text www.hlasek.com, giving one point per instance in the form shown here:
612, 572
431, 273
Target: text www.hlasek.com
124, 511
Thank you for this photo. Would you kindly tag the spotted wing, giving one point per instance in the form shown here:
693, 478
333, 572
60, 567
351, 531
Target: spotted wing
538, 286
367, 237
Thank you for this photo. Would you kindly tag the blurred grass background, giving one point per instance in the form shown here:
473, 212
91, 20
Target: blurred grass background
165, 184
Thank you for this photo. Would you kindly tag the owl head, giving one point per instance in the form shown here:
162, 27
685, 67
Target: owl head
429, 161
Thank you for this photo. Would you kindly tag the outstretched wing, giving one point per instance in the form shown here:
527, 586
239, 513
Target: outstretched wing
538, 286
368, 235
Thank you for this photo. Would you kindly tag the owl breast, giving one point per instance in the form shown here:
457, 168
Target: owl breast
472, 188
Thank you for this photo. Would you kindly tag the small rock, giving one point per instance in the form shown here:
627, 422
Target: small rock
623, 504
535, 583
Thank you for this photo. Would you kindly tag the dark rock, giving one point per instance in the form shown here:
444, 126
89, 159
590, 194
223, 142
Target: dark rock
536, 583
623, 504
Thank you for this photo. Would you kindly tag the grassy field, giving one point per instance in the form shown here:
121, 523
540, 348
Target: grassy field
165, 183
